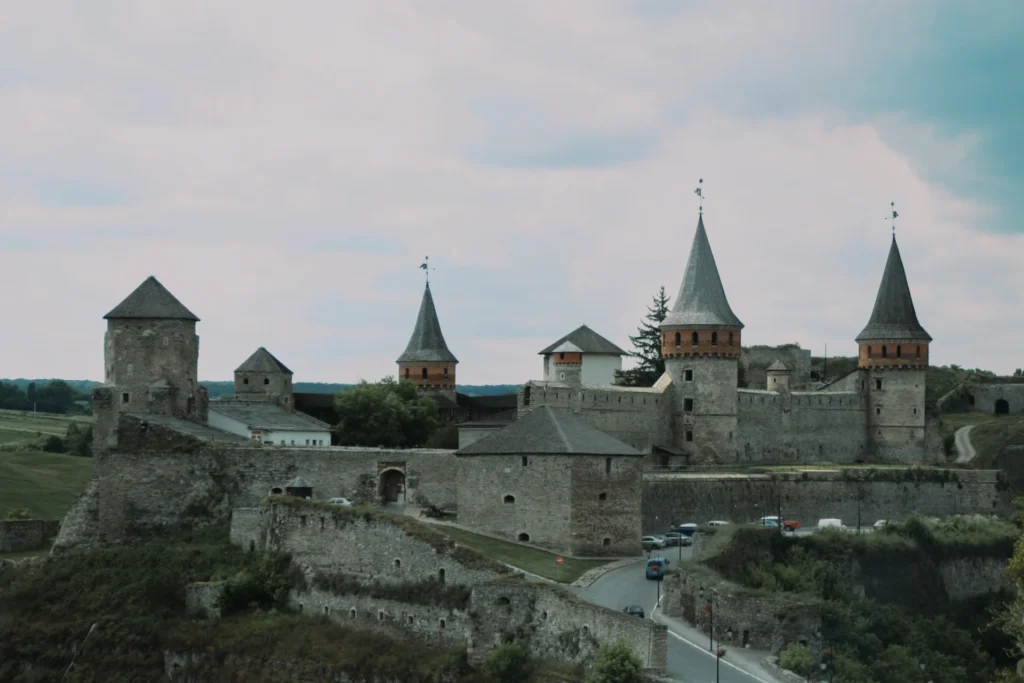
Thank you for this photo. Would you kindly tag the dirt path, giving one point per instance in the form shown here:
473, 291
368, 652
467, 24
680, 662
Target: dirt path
964, 448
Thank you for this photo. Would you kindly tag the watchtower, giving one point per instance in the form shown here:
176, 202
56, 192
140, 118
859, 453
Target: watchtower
262, 377
426, 359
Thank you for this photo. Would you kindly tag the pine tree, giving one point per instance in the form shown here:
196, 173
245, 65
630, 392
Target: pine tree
647, 346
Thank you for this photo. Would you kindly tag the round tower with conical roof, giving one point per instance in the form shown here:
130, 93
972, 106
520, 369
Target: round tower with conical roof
700, 342
426, 360
893, 359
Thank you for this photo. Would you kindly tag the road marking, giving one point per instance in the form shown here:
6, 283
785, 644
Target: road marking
708, 653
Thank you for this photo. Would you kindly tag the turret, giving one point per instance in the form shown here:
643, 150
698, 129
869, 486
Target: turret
567, 363
151, 358
893, 358
700, 342
262, 377
427, 360
598, 359
778, 377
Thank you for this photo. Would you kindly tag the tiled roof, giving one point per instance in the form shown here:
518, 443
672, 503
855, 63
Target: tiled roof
262, 361
701, 301
427, 343
196, 429
151, 300
546, 431
270, 416
587, 341
778, 366
893, 318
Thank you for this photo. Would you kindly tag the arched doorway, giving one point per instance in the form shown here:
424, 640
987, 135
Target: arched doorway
392, 486
1002, 407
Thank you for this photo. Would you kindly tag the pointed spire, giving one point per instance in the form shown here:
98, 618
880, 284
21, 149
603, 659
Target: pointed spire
151, 300
263, 361
427, 342
701, 301
893, 317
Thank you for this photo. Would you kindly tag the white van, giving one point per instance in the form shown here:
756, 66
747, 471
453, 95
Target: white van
717, 522
830, 524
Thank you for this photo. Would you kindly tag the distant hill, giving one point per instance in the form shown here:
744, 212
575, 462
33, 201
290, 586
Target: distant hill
218, 389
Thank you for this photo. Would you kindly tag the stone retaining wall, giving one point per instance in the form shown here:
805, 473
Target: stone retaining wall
21, 535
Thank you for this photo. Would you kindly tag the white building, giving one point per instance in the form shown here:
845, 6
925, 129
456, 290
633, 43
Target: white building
596, 359
269, 423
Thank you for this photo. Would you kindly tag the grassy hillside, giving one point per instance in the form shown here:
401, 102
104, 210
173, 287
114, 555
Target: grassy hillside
45, 484
33, 425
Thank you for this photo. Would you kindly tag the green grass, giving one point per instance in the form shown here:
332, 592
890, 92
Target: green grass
46, 484
30, 425
988, 438
24, 554
537, 562
954, 421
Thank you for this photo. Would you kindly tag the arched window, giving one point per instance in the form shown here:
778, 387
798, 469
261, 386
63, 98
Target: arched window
885, 351
899, 351
398, 563
679, 340
919, 353
714, 339
524, 537
730, 339
440, 576
424, 373
446, 373
869, 352
407, 373
695, 339
266, 380
602, 496
606, 542
526, 395
509, 499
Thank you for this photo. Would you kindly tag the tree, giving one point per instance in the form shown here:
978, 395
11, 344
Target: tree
617, 663
388, 413
647, 346
79, 441
507, 663
56, 396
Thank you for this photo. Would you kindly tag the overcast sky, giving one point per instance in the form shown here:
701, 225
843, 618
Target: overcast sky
283, 168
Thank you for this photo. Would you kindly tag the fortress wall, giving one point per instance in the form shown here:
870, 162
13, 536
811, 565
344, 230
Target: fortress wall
809, 496
754, 360
803, 427
986, 395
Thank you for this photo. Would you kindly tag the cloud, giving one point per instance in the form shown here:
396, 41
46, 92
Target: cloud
284, 170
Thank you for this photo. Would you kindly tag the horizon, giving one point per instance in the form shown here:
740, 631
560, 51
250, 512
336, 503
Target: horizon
284, 174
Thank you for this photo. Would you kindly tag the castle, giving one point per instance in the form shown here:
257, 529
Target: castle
696, 413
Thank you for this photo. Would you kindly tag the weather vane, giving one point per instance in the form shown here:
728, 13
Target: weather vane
893, 218
425, 266
700, 193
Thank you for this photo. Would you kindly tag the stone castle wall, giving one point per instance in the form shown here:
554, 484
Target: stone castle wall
893, 494
26, 534
754, 362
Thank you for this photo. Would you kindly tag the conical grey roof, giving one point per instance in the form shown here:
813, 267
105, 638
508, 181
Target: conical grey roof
151, 300
893, 317
546, 431
427, 343
701, 301
262, 361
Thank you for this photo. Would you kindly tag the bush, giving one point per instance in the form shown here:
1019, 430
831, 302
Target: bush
508, 663
53, 444
798, 659
617, 663
19, 513
263, 586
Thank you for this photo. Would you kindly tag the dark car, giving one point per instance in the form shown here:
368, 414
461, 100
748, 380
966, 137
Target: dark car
634, 610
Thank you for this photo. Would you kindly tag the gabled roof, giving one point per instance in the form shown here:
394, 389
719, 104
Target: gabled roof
587, 341
893, 318
151, 300
546, 431
268, 416
701, 301
427, 343
262, 361
778, 366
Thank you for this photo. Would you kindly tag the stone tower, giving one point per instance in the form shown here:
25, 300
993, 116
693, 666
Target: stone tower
778, 377
567, 364
700, 342
893, 360
262, 377
151, 357
427, 360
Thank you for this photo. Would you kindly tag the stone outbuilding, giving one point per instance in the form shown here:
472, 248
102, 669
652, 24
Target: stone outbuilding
268, 423
552, 480
582, 356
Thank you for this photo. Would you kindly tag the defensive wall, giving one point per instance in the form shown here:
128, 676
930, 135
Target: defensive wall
754, 362
870, 493
21, 535
393, 574
983, 397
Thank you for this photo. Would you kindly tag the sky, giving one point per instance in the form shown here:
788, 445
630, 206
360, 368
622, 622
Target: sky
283, 168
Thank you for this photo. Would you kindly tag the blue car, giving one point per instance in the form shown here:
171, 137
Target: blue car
656, 568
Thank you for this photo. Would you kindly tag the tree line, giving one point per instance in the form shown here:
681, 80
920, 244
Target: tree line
56, 396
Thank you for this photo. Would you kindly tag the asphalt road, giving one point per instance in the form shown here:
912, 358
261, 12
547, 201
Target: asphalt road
686, 662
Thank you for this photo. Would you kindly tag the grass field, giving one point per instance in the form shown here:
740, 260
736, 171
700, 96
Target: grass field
31, 425
46, 484
989, 436
530, 560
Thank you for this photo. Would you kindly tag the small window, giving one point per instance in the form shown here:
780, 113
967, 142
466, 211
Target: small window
607, 465
561, 356
380, 615
689, 435
407, 373
878, 385
125, 397
307, 442
919, 353
869, 352
440, 576
509, 499
602, 496
424, 373
266, 380
606, 542
714, 339
526, 396
441, 623
899, 351
688, 405
245, 380
730, 339
915, 411
695, 338
688, 374
878, 410
524, 537
885, 351
446, 373
327, 610
679, 340
398, 563
526, 461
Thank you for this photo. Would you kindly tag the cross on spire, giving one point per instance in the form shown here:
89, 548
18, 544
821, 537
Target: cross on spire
895, 215
700, 193
425, 267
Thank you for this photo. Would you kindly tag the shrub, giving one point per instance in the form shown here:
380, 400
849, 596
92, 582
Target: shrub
617, 663
508, 663
263, 586
19, 513
798, 659
53, 444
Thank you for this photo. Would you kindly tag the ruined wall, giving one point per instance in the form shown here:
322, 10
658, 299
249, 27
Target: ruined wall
986, 395
754, 362
556, 625
892, 494
27, 534
800, 427
741, 618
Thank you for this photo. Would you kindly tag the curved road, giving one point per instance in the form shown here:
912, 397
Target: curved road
688, 659
964, 448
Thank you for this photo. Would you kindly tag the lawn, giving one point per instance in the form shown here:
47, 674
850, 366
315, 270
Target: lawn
537, 562
46, 484
988, 438
954, 421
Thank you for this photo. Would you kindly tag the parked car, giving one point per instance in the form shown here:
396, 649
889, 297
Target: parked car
342, 502
634, 610
830, 523
882, 523
773, 521
688, 529
675, 538
651, 543
656, 568
717, 522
